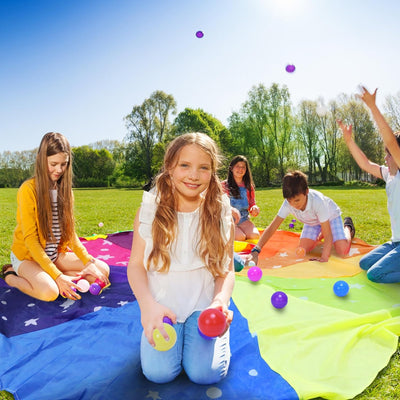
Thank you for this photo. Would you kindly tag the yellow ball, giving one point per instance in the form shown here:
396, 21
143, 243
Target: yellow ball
161, 343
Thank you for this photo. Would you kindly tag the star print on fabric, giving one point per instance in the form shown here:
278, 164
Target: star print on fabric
353, 251
67, 303
105, 257
284, 254
122, 303
32, 321
356, 286
153, 395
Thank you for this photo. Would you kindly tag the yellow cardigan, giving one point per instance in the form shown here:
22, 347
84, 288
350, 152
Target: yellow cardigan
28, 243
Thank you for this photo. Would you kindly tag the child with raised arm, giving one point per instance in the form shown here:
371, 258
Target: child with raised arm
318, 213
239, 186
182, 262
41, 264
381, 263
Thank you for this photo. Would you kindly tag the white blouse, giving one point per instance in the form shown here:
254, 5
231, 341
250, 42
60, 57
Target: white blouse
188, 286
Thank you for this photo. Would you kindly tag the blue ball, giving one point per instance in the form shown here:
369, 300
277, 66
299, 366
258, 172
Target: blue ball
341, 288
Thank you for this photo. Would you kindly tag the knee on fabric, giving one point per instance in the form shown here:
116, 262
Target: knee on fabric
373, 276
49, 294
365, 263
205, 376
159, 375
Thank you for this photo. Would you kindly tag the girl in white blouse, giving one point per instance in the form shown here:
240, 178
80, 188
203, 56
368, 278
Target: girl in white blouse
182, 262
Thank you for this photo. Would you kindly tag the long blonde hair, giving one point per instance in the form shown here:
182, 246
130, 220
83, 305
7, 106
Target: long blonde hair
53, 143
211, 247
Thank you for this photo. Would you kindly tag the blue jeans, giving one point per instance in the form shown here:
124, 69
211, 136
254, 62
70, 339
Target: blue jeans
383, 263
205, 361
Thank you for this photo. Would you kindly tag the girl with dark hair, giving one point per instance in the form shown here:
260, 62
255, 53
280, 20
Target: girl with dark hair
239, 186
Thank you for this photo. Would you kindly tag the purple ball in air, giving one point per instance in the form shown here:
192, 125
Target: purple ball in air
290, 68
95, 288
199, 34
279, 299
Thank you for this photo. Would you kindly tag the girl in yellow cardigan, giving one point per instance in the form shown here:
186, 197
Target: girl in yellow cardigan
41, 264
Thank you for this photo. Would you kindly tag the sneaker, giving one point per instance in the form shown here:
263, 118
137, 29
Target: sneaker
349, 222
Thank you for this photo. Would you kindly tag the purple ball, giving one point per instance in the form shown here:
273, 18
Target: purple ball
254, 274
290, 68
95, 288
291, 225
279, 299
167, 320
199, 34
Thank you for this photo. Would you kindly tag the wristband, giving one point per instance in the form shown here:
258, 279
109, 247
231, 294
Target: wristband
256, 249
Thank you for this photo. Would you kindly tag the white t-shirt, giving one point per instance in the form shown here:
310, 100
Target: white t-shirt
319, 208
188, 286
393, 203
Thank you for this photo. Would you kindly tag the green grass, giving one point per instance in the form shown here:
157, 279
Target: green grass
116, 209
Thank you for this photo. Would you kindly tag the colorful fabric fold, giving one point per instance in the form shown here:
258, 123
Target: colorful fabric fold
321, 351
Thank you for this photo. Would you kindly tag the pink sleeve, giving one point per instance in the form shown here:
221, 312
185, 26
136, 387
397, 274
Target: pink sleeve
251, 197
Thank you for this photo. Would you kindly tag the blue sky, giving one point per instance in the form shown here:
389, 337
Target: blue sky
79, 66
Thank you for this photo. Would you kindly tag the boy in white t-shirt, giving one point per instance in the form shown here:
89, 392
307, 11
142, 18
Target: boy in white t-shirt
318, 213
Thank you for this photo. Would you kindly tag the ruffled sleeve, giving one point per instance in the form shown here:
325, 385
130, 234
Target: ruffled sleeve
226, 217
147, 213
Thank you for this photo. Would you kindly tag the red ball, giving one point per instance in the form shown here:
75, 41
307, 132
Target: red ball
212, 322
100, 283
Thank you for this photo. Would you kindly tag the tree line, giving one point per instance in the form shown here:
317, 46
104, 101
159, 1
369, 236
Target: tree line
273, 134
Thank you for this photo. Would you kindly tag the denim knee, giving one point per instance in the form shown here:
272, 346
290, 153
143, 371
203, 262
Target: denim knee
206, 361
365, 263
160, 367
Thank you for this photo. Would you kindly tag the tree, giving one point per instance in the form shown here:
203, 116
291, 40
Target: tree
353, 112
92, 167
279, 122
392, 109
15, 167
307, 129
147, 124
198, 120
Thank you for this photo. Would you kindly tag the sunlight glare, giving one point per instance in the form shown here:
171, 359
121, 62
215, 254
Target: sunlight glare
285, 8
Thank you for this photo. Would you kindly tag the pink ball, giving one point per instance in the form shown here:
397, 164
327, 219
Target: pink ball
83, 285
254, 273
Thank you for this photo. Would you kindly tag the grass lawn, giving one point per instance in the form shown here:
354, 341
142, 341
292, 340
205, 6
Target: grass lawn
116, 209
